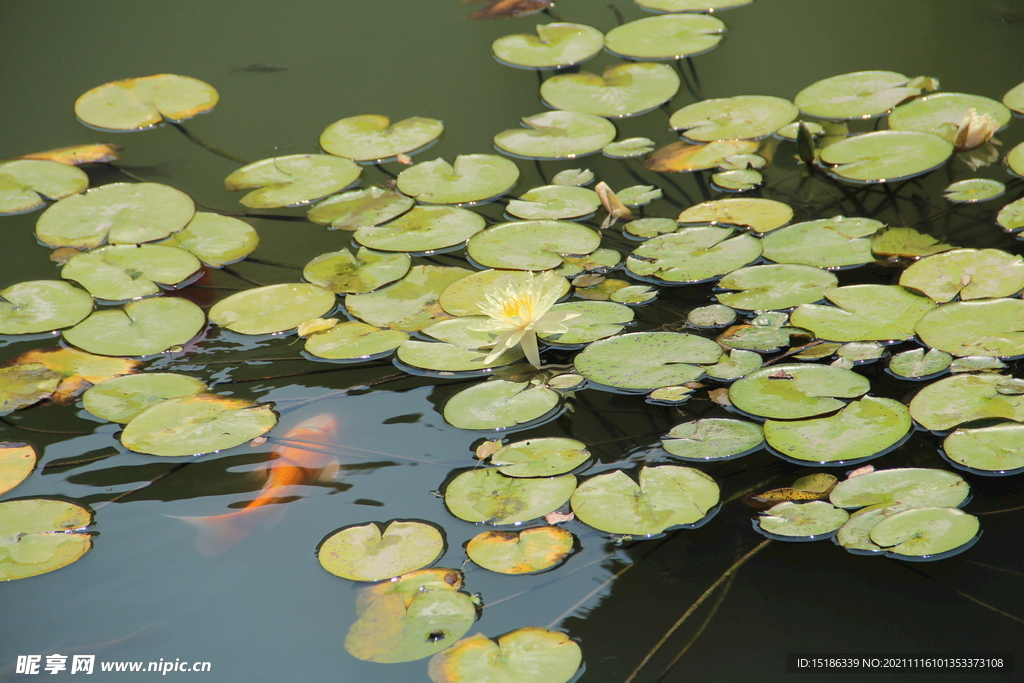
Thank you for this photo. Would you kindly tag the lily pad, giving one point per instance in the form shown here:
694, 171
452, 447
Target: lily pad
216, 240
352, 340
599, 261
740, 362
902, 488
998, 449
747, 117
459, 350
941, 113
1014, 98
886, 156
364, 553
693, 255
357, 208
462, 296
140, 103
789, 392
520, 552
967, 274
544, 457
409, 304
423, 229
42, 306
597, 320
827, 243
79, 370
690, 5
963, 398
557, 135
737, 180
1011, 217
775, 286
922, 533
714, 315
623, 89
122, 272
273, 308
526, 655
917, 364
644, 361
140, 328
554, 202
488, 496
574, 177
864, 312
666, 497
25, 184
813, 520
906, 243
639, 195
555, 46
472, 178
39, 535
713, 439
672, 36
993, 327
370, 137
1015, 161
26, 384
531, 245
17, 460
343, 273
858, 95
119, 213
973, 190
292, 180
499, 404
678, 157
760, 215
193, 425
121, 399
628, 148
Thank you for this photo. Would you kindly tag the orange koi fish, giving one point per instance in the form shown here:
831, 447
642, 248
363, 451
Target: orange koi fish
300, 460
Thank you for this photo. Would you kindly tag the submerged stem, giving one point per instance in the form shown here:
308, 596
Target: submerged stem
207, 146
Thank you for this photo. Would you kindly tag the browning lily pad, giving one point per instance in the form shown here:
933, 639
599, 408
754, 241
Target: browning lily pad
486, 495
122, 272
343, 273
42, 306
358, 208
557, 135
140, 328
526, 655
471, 179
79, 369
292, 180
26, 184
140, 103
713, 439
644, 361
906, 243
678, 157
499, 404
26, 384
17, 460
672, 36
747, 117
121, 399
39, 535
364, 553
371, 137
623, 89
555, 46
273, 308
520, 552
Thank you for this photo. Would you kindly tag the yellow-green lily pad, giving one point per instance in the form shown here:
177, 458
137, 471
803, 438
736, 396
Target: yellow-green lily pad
292, 180
499, 404
487, 495
17, 460
122, 272
273, 308
557, 135
121, 399
526, 655
141, 103
671, 36
26, 184
371, 137
216, 240
352, 341
422, 229
967, 274
623, 89
747, 117
42, 306
140, 328
473, 178
343, 273
364, 553
39, 535
520, 552
358, 208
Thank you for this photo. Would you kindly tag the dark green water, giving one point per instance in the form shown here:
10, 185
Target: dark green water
264, 610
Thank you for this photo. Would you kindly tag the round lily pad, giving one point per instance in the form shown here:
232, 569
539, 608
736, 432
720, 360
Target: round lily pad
121, 399
1014, 98
1014, 161
423, 229
140, 103
574, 177
739, 362
864, 312
644, 361
42, 306
26, 384
693, 254
409, 304
273, 308
923, 533
714, 315
531, 245
526, 655
789, 392
760, 215
352, 340
666, 497
462, 296
499, 404
122, 272
826, 243
902, 488
713, 439
119, 213
628, 148
809, 521
858, 95
216, 240
941, 113
371, 137
671, 36
520, 552
140, 328
973, 190
775, 286
17, 460
967, 274
918, 364
486, 495
690, 5
639, 195
993, 327
906, 243
471, 179
357, 208
25, 184
555, 46
557, 135
962, 398
596, 320
39, 535
543, 457
364, 553
1011, 217
737, 180
886, 156
193, 425
998, 449
343, 273
554, 202
749, 117
292, 180
623, 89
678, 157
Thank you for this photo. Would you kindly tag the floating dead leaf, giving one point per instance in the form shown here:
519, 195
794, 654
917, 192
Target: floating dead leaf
81, 370
258, 441
97, 153
404, 159
587, 280
63, 255
812, 487
559, 517
720, 396
505, 9
867, 469
487, 449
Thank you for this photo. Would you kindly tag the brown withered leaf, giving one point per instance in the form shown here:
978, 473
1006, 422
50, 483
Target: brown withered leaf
81, 370
63, 254
611, 203
683, 156
867, 469
720, 396
559, 517
487, 449
505, 9
97, 153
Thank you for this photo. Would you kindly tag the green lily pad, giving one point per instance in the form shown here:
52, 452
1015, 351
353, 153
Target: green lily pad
767, 332
941, 113
967, 274
557, 135
1015, 160
858, 95
628, 148
855, 534
597, 320
666, 496
679, 157
193, 425
488, 496
526, 655
531, 245
598, 261
364, 553
140, 328
26, 384
543, 457
789, 392
973, 190
917, 364
862, 429
462, 296
473, 178
886, 156
623, 89
693, 254
791, 130
119, 213
861, 351
555, 46
644, 361
370, 137
690, 5
1014, 98
273, 308
864, 313
39, 535
352, 340
574, 177
357, 208
671, 36
993, 327
42, 306
739, 162
802, 521
141, 103
423, 229
714, 315
760, 215
460, 350
121, 399
1011, 217
554, 202
17, 460
292, 180
122, 272
925, 532
520, 552
737, 180
411, 303
409, 585
827, 243
713, 439
739, 362
670, 396
499, 404
343, 273
998, 449
963, 398
639, 195
901, 489
978, 364
216, 240
906, 243
25, 184
747, 117
775, 286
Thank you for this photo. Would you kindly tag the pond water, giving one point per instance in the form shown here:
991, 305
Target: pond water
263, 609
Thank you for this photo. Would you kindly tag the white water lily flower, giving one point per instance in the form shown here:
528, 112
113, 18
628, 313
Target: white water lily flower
520, 311
974, 131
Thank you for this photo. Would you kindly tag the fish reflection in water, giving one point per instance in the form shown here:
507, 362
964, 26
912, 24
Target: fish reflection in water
301, 459
259, 68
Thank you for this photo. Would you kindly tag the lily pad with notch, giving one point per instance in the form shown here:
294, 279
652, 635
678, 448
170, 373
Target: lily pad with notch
144, 102
746, 117
556, 46
542, 457
526, 655
122, 272
629, 148
215, 240
857, 95
926, 533
121, 399
423, 229
994, 450
42, 306
667, 37
486, 495
902, 488
409, 304
358, 208
623, 89
458, 348
864, 313
886, 155
692, 255
499, 404
811, 521
473, 178
679, 157
835, 242
795, 391
354, 341
531, 245
740, 362
343, 273
644, 361
941, 113
990, 327
140, 328
373, 138
966, 274
737, 180
759, 215
26, 184
272, 308
973, 190
774, 286
365, 552
557, 135
955, 400
920, 364
38, 535
521, 552
714, 439
292, 180
596, 320
554, 202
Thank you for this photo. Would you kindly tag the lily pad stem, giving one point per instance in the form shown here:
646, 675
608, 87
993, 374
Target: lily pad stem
711, 615
618, 14
207, 146
37, 431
